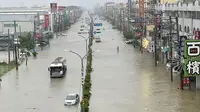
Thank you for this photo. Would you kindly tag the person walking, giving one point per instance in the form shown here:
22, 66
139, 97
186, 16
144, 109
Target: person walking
0, 81
118, 49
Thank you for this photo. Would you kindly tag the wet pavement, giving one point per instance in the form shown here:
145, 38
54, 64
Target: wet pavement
128, 81
32, 90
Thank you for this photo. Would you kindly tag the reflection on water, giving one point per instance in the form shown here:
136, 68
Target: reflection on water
17, 80
57, 82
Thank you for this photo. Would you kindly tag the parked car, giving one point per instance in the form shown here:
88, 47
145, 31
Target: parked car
72, 99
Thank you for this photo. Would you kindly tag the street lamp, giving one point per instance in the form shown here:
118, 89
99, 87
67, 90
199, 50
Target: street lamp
82, 69
86, 39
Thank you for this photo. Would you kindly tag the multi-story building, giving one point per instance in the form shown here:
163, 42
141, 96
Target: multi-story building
188, 13
24, 18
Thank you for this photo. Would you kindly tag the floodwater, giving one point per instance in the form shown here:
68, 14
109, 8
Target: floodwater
128, 81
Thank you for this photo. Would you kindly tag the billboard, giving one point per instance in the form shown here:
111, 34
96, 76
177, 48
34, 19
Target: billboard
192, 58
46, 20
53, 7
168, 1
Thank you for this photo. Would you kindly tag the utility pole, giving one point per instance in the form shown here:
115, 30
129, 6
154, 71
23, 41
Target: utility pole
15, 47
170, 38
20, 33
155, 46
34, 33
141, 38
179, 39
120, 19
129, 9
123, 21
8, 46
56, 26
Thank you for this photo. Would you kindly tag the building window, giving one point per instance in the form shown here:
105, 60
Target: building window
197, 29
10, 25
180, 27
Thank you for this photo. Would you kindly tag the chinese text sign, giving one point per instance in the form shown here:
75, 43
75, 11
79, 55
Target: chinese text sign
192, 58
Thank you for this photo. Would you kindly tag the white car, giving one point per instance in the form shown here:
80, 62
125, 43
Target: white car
63, 34
72, 99
129, 41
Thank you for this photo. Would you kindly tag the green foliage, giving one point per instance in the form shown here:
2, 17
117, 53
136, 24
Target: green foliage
27, 42
4, 68
128, 35
87, 84
34, 54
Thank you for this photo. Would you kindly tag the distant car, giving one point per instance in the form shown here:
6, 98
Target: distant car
72, 99
98, 39
129, 41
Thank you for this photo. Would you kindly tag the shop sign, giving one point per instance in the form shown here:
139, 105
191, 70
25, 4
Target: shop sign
192, 58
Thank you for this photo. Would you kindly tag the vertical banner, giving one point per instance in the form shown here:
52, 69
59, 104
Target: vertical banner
182, 44
141, 8
46, 20
197, 35
158, 26
53, 7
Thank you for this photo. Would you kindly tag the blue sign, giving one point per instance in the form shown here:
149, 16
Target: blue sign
140, 20
97, 24
181, 44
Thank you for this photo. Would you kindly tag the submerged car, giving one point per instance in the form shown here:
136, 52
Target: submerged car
72, 99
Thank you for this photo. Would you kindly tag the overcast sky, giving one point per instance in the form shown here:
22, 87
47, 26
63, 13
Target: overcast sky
86, 3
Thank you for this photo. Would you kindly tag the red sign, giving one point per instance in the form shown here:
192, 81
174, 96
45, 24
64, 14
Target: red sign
53, 7
38, 35
186, 81
46, 20
138, 34
197, 35
61, 8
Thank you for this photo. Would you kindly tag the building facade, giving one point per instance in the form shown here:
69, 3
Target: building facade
188, 13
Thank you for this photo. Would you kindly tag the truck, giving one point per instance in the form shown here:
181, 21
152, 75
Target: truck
58, 68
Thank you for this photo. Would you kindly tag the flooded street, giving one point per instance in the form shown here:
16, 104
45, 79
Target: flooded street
128, 81
32, 90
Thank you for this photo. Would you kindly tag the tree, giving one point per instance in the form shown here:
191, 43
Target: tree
27, 42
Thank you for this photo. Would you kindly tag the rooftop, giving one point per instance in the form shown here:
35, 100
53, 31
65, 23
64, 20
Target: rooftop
18, 17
